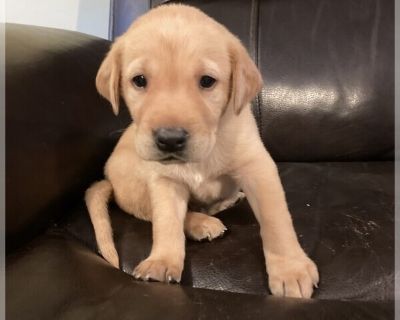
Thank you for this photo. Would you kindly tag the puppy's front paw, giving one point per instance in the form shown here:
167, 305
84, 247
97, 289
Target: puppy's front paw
199, 226
159, 270
292, 276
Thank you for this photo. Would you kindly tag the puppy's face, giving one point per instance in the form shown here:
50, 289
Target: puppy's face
178, 71
176, 89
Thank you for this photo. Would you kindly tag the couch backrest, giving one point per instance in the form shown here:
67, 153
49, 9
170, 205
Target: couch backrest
328, 69
60, 131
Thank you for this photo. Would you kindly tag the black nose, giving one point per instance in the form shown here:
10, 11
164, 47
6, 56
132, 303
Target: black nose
171, 139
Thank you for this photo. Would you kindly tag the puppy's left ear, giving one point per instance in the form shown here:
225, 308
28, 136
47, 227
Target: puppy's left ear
246, 80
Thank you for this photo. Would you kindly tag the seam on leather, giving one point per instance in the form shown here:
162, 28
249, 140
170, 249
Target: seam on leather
258, 30
254, 50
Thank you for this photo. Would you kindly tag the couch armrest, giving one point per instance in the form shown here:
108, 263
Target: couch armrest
59, 131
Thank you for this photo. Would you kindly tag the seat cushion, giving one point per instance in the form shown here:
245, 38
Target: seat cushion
343, 214
57, 277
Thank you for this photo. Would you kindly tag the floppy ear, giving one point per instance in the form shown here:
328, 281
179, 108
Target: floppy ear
108, 77
246, 80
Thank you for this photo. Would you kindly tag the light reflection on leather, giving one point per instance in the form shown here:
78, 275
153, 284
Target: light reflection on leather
310, 96
305, 97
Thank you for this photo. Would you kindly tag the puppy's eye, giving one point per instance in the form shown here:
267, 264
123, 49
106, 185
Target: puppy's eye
140, 81
207, 82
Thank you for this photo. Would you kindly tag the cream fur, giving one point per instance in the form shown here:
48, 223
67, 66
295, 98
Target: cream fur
224, 154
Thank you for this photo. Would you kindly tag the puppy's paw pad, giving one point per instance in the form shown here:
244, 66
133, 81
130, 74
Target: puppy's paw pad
206, 228
292, 276
158, 270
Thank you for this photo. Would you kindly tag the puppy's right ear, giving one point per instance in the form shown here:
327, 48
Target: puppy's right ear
108, 77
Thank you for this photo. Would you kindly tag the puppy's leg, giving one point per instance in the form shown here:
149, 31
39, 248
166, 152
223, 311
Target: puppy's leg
291, 273
97, 197
226, 204
169, 205
199, 226
217, 195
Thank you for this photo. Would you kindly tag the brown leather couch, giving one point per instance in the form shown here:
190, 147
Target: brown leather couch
326, 115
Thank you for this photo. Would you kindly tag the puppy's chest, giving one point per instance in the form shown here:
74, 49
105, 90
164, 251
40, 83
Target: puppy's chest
206, 191
197, 179
206, 187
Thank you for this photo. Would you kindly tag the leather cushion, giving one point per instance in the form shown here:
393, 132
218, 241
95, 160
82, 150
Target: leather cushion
343, 214
329, 80
59, 130
56, 277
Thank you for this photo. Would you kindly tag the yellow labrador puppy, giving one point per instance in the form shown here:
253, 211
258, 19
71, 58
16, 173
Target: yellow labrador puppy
194, 143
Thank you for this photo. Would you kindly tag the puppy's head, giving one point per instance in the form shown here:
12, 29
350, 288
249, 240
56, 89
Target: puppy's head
179, 72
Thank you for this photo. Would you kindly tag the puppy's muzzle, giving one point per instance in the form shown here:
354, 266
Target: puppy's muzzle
171, 140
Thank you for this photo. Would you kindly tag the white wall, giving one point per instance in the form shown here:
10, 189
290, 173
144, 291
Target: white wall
2, 11
87, 16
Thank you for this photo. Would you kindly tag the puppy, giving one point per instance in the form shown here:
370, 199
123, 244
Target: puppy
194, 143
